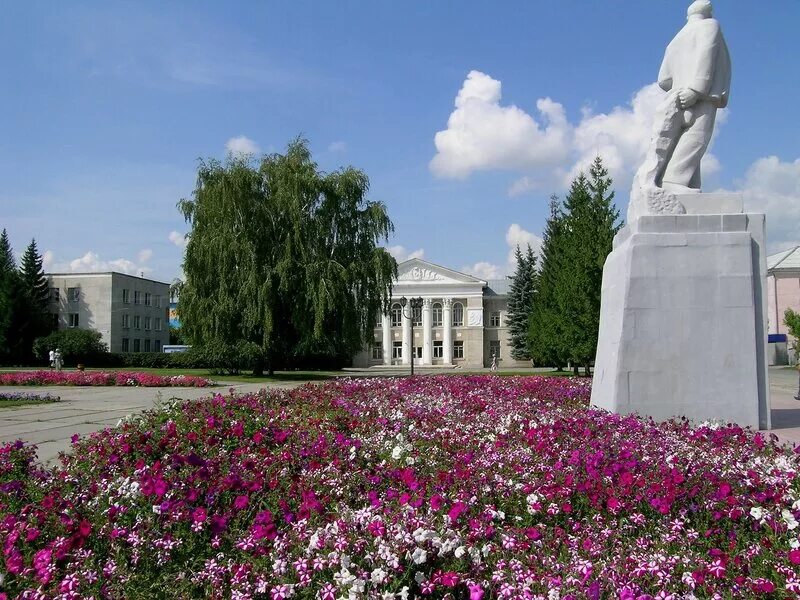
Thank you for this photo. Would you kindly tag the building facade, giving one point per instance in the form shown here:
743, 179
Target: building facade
131, 313
462, 322
783, 291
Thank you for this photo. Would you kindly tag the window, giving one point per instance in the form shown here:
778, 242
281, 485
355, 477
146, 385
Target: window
377, 351
137, 323
158, 323
136, 345
158, 301
494, 349
158, 345
137, 297
458, 349
458, 314
438, 349
126, 321
437, 314
126, 296
397, 315
147, 345
494, 319
73, 294
416, 317
148, 299
73, 319
126, 345
55, 294
417, 352
147, 324
397, 349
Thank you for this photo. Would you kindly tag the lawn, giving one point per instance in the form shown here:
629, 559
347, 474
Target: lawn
474, 487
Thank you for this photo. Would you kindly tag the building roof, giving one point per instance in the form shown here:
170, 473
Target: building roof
498, 287
788, 260
104, 273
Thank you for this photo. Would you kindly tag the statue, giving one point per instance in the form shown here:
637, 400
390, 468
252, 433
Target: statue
696, 74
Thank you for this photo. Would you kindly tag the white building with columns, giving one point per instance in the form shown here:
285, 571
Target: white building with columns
462, 322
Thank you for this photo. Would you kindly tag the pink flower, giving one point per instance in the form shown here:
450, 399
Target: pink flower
456, 511
475, 592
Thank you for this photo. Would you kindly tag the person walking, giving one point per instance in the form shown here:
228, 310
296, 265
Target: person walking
58, 360
52, 357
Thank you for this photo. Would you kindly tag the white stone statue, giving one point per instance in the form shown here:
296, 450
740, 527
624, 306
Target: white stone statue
696, 74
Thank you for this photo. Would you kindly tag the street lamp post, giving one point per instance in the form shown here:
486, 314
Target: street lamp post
414, 304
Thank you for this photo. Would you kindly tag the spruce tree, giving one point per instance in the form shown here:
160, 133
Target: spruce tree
590, 223
11, 302
520, 302
37, 294
546, 324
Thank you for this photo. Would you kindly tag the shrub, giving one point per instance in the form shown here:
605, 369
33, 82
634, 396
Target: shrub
76, 345
99, 378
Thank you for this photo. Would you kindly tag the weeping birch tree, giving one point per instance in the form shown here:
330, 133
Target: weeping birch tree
282, 260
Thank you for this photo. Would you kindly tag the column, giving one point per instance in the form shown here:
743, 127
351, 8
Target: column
447, 330
427, 332
406, 336
386, 330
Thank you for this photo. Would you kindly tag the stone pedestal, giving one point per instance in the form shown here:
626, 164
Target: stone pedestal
683, 318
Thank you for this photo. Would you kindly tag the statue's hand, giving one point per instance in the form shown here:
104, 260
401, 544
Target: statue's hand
688, 97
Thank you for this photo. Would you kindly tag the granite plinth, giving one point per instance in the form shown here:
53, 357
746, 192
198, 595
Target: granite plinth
683, 320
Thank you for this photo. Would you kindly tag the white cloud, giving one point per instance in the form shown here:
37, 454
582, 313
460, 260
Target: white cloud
522, 186
482, 134
241, 146
484, 270
177, 238
772, 187
401, 254
92, 263
337, 147
517, 236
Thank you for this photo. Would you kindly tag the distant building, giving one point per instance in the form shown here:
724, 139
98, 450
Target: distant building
463, 321
783, 291
131, 313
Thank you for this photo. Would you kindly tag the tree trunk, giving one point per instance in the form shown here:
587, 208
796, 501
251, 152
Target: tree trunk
587, 372
575, 369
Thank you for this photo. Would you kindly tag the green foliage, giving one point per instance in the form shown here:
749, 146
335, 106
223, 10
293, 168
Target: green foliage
792, 320
176, 336
76, 345
520, 302
283, 257
545, 332
13, 307
579, 237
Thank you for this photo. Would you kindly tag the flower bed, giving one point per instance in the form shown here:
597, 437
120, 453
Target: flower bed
100, 378
19, 399
443, 487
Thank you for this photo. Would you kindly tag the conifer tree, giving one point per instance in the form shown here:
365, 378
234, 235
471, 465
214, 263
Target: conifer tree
36, 319
546, 325
520, 302
10, 303
590, 223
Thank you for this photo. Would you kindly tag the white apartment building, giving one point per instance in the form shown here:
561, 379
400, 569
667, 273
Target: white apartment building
462, 321
131, 313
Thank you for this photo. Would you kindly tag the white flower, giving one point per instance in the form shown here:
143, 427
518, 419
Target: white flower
757, 513
397, 452
419, 556
378, 576
403, 595
791, 522
553, 595
460, 551
387, 596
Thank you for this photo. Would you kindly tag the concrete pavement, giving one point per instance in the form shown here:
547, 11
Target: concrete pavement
83, 410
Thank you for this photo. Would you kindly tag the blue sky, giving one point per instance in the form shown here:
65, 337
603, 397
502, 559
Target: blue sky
107, 106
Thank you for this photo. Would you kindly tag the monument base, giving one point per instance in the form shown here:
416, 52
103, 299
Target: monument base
683, 320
